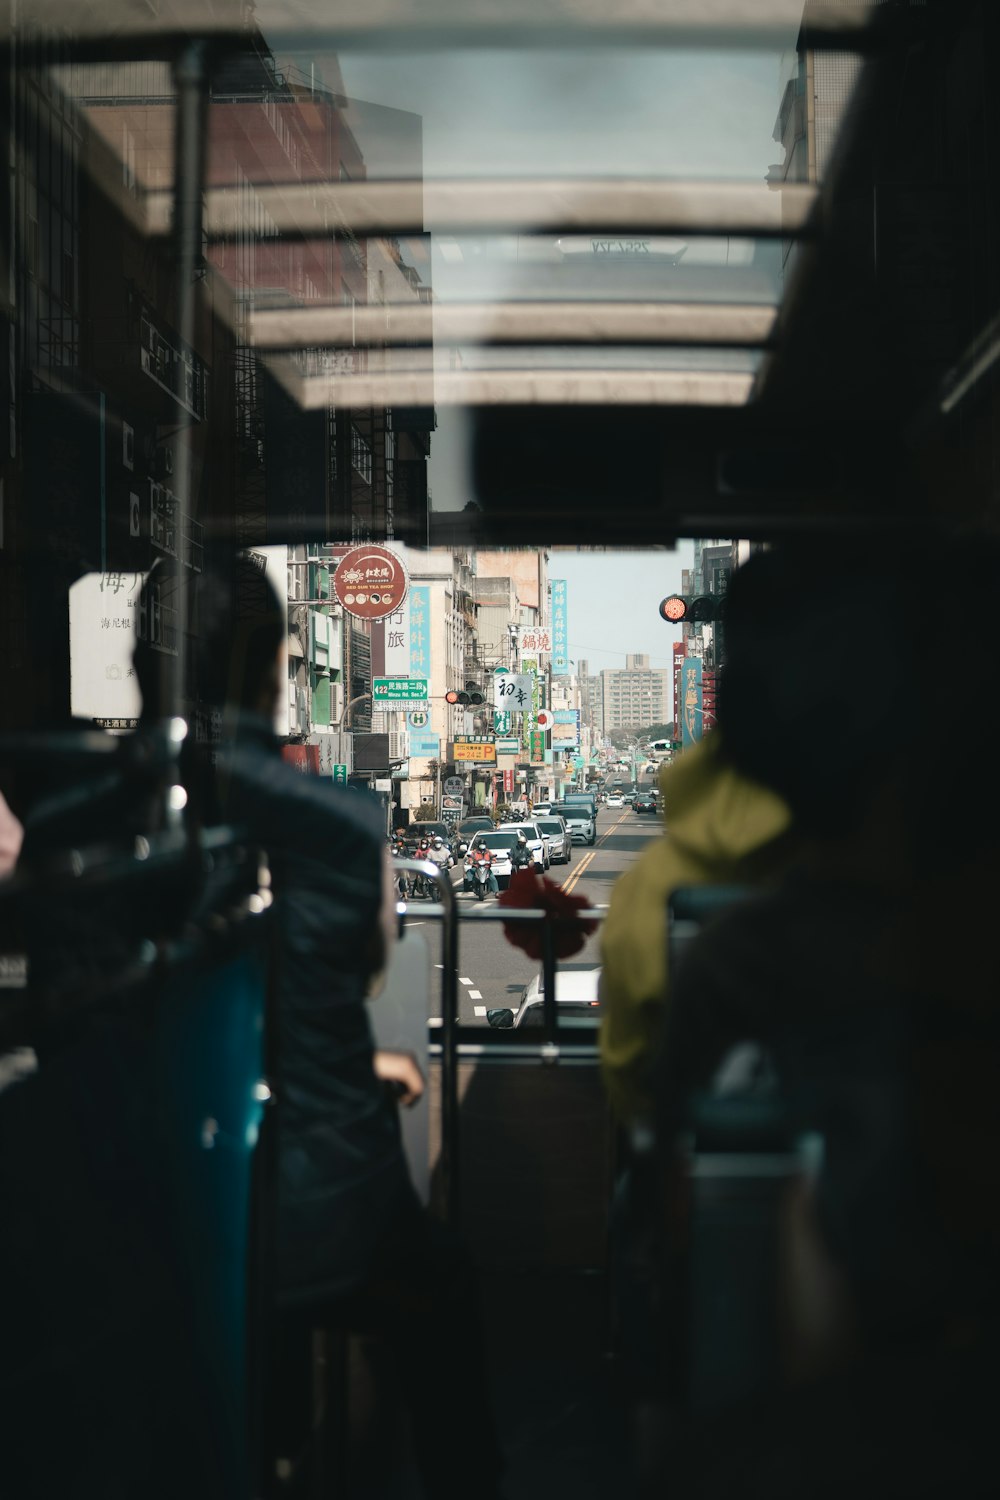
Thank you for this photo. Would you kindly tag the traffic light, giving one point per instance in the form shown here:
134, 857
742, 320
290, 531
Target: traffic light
691, 609
472, 696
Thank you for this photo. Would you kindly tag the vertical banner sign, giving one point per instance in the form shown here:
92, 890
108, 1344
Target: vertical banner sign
420, 631
529, 667
680, 651
397, 642
560, 650
691, 704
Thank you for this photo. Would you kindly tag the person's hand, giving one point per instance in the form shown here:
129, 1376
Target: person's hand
400, 1070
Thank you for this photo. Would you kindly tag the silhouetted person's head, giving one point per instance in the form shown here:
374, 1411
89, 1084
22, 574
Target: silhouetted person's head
236, 627
822, 696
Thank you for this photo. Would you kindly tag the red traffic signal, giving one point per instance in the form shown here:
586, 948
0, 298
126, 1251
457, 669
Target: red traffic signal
473, 695
691, 609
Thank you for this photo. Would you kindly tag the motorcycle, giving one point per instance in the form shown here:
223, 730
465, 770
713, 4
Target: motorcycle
480, 879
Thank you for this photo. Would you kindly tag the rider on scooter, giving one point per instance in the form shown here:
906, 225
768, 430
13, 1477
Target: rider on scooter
481, 855
521, 856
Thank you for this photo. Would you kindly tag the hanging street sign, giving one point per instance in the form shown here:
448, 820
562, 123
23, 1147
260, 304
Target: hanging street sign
370, 582
400, 689
512, 691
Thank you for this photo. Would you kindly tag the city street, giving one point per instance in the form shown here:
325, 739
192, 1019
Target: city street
494, 973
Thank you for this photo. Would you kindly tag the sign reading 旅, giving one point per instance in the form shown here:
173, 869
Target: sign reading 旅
560, 648
397, 642
513, 691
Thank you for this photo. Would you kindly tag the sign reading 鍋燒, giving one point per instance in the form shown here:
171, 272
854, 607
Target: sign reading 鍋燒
370, 582
534, 640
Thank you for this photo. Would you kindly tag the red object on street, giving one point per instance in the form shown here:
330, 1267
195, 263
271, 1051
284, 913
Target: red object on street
304, 758
527, 892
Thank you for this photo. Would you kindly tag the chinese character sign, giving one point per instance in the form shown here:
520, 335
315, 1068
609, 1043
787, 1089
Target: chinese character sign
420, 631
370, 582
530, 709
691, 703
560, 648
397, 642
533, 640
102, 633
513, 691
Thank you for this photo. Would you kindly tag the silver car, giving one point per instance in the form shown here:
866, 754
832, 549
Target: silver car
560, 842
580, 822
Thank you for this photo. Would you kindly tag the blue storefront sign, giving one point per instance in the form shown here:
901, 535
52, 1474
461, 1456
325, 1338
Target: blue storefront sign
421, 743
420, 630
691, 701
560, 648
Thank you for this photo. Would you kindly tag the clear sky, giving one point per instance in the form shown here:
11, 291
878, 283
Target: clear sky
612, 601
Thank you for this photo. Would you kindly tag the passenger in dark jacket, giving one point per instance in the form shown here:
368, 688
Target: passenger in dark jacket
352, 1239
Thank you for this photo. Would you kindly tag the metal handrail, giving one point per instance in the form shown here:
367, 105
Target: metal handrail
448, 910
447, 1048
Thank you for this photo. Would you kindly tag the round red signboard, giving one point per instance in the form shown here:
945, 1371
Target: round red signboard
370, 582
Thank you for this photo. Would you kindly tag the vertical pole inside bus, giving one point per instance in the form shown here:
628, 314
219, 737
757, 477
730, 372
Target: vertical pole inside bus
191, 78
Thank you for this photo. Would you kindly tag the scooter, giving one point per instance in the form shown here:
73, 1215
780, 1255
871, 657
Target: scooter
480, 880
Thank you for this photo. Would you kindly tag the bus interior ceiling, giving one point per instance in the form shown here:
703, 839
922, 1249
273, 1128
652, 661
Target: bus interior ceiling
870, 411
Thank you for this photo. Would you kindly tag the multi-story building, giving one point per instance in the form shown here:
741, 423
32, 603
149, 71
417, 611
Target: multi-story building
91, 350
636, 696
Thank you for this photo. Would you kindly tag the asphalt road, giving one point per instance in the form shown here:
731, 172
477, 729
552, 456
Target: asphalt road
491, 971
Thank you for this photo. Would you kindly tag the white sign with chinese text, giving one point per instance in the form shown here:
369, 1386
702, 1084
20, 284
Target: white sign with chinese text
102, 615
512, 691
397, 642
534, 640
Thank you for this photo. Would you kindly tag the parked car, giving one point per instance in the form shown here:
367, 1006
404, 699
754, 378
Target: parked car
576, 997
560, 842
500, 843
537, 842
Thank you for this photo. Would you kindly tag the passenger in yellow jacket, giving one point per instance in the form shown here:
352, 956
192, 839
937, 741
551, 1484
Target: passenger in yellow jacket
721, 829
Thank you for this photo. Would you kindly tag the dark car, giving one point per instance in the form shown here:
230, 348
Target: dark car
644, 803
469, 826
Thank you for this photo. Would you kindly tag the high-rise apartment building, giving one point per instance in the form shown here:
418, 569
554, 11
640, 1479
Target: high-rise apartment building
636, 697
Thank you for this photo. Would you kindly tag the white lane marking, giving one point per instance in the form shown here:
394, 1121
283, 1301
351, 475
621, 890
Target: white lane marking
475, 994
480, 1010
464, 981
